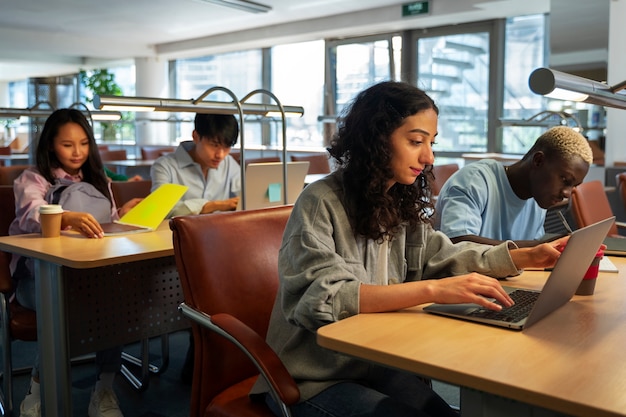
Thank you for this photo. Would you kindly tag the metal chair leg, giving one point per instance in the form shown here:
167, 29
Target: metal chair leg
140, 382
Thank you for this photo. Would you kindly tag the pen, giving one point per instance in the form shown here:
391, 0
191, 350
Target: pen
560, 214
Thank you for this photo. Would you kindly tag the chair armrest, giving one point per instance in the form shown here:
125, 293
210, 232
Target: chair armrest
284, 388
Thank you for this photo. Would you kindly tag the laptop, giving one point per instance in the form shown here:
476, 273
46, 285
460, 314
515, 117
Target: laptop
559, 288
148, 214
264, 184
615, 246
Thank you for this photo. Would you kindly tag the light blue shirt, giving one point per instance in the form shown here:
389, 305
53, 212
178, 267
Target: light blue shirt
478, 200
178, 168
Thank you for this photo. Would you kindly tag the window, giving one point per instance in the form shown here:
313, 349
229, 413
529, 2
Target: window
355, 64
524, 52
454, 70
459, 67
298, 80
239, 72
360, 63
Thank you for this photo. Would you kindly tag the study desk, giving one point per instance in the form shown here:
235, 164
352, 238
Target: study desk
505, 158
130, 167
15, 158
309, 178
571, 362
94, 294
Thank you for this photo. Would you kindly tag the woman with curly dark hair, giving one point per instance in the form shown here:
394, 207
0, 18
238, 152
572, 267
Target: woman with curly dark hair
361, 241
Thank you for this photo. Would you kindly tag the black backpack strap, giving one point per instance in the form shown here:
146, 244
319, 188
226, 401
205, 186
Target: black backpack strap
56, 195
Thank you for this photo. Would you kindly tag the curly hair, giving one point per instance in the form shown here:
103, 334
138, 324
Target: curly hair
362, 151
563, 142
47, 161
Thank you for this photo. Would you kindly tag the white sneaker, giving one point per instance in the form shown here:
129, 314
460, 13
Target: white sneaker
104, 403
34, 411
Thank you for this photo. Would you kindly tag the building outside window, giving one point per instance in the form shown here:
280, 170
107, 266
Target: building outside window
453, 64
525, 50
239, 72
298, 79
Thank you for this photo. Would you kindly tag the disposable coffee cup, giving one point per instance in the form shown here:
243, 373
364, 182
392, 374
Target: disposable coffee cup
588, 284
50, 217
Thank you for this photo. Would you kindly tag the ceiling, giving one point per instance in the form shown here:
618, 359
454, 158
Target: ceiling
58, 37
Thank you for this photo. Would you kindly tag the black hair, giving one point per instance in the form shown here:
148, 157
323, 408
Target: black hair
46, 159
222, 127
362, 151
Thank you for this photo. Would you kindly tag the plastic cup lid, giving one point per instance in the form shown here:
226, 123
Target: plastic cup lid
50, 209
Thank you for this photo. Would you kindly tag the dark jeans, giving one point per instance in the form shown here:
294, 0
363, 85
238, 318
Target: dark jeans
392, 394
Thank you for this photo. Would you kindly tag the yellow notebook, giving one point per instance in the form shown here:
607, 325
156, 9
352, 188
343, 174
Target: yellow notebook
149, 213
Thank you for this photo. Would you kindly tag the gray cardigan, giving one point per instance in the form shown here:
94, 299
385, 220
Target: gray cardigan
321, 266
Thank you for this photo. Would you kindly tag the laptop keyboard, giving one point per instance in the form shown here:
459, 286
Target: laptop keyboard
524, 301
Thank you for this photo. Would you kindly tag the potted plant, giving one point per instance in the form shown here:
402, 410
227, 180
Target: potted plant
101, 82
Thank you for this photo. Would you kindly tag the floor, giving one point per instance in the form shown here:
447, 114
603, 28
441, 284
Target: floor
165, 396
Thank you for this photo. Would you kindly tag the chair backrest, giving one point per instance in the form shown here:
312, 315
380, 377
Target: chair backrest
318, 163
123, 191
237, 156
442, 173
10, 173
227, 263
115, 155
154, 152
621, 187
590, 204
262, 159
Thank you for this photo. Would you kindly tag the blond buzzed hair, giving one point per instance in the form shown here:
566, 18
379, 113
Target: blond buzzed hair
564, 142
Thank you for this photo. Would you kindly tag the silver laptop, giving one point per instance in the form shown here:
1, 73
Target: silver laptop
615, 246
265, 185
558, 289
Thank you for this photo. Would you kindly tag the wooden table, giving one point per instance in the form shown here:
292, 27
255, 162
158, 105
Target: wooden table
130, 167
15, 159
571, 362
94, 294
309, 178
506, 158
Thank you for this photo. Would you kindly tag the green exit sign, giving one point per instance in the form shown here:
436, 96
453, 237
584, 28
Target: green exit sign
416, 8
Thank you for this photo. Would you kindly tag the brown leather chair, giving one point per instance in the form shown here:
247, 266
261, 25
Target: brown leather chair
116, 155
228, 267
22, 322
590, 204
442, 173
124, 191
154, 152
262, 160
237, 156
318, 163
10, 173
620, 179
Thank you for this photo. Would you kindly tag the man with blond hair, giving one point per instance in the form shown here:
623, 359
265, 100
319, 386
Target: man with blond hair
488, 202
